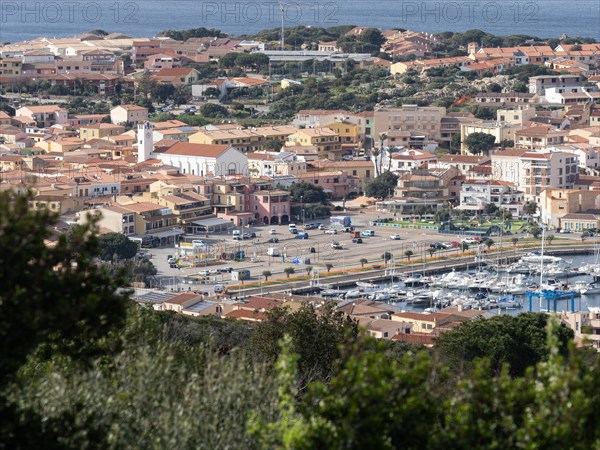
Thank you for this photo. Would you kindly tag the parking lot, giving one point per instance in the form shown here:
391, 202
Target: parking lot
316, 251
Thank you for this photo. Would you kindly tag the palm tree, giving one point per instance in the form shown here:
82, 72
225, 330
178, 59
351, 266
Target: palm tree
489, 243
266, 274
382, 138
390, 152
549, 239
408, 254
464, 246
515, 241
431, 251
363, 261
308, 269
329, 266
386, 256
289, 271
375, 152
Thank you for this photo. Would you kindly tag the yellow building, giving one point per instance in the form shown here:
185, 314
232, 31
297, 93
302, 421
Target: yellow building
349, 134
10, 67
325, 140
555, 204
186, 205
99, 131
240, 138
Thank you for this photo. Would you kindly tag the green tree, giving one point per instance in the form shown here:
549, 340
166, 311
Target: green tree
530, 208
382, 186
329, 266
267, 274
464, 246
308, 269
289, 271
316, 337
273, 144
307, 193
363, 261
515, 241
549, 239
117, 245
479, 143
386, 256
51, 296
514, 340
408, 254
536, 231
214, 111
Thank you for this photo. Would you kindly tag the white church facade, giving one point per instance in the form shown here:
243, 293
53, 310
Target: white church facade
193, 159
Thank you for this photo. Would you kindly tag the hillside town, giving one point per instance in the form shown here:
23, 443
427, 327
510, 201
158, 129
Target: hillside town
304, 237
173, 140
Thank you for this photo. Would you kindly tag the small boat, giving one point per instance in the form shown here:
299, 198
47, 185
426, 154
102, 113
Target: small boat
537, 258
366, 285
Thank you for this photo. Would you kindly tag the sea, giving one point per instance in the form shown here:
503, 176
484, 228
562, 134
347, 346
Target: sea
26, 19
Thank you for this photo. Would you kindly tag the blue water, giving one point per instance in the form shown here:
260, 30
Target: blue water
27, 19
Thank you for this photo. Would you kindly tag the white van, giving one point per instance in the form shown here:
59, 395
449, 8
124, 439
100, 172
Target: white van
273, 251
235, 232
292, 225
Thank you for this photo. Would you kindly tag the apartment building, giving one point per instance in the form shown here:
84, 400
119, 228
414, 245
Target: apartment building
132, 114
325, 140
10, 68
99, 131
532, 171
557, 203
538, 137
502, 131
242, 139
273, 164
422, 121
539, 84
44, 115
475, 194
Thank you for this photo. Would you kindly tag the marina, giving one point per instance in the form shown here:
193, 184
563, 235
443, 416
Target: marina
535, 282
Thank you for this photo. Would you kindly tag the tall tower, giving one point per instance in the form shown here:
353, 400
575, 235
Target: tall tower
145, 141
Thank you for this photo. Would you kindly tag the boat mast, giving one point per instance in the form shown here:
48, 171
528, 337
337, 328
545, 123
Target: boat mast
542, 265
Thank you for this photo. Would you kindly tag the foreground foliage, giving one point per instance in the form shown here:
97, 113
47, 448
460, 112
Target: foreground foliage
85, 368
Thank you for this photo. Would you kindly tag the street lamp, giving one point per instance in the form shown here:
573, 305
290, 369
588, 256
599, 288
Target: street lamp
302, 208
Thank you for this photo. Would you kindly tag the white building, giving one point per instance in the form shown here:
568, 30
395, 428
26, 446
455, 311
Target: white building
474, 195
204, 159
270, 164
532, 171
405, 160
128, 114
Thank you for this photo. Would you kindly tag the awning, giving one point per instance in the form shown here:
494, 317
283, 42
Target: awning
166, 233
215, 222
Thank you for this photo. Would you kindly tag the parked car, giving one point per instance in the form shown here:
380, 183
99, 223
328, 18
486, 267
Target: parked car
272, 231
294, 230
455, 244
437, 246
302, 236
331, 231
226, 269
321, 226
395, 237
215, 271
471, 240
367, 233
273, 241
447, 244
204, 273
310, 226
173, 265
357, 241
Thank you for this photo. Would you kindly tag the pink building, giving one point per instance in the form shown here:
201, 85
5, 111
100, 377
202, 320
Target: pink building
337, 184
270, 207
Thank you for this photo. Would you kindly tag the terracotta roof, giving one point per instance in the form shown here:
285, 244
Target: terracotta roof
243, 314
132, 107
183, 298
201, 150
259, 303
